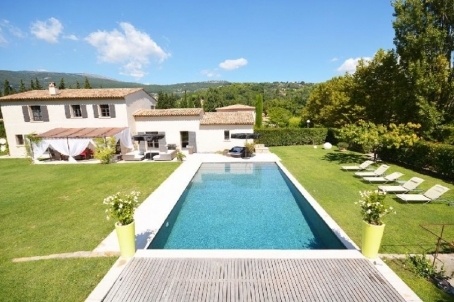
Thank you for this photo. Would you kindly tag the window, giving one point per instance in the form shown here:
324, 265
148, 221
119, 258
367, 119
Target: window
153, 107
184, 136
226, 135
154, 143
19, 139
36, 113
104, 110
76, 111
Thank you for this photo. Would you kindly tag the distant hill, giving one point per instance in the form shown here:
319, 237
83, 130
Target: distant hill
96, 81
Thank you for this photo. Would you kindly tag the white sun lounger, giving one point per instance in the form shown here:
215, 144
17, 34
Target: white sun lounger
378, 172
384, 179
408, 186
363, 166
432, 194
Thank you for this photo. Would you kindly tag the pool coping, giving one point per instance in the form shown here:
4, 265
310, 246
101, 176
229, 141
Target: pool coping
164, 198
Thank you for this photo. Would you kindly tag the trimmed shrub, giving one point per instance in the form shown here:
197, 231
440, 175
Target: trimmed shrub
436, 158
291, 136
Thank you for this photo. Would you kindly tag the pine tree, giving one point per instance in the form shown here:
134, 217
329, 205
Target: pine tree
77, 85
22, 86
258, 111
62, 84
87, 84
7, 89
38, 84
32, 85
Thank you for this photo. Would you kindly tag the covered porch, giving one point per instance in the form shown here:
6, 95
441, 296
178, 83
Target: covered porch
72, 144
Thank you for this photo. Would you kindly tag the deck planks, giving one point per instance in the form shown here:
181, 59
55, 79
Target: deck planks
238, 279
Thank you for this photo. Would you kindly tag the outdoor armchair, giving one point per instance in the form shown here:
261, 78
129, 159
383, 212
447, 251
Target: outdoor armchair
378, 172
409, 185
432, 194
384, 179
363, 166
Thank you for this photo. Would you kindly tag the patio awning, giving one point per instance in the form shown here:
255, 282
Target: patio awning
80, 132
245, 135
147, 137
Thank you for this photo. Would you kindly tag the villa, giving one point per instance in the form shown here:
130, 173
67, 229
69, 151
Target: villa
55, 114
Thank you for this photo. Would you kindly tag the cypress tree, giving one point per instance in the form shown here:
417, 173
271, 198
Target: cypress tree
258, 111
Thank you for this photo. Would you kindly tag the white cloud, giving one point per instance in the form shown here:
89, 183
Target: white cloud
15, 31
349, 65
334, 59
210, 73
130, 48
48, 30
233, 64
71, 37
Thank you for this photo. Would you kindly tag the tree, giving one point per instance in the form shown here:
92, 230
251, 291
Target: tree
87, 84
425, 42
379, 89
213, 100
166, 101
62, 84
329, 103
77, 85
279, 116
32, 85
258, 110
38, 84
372, 137
7, 88
22, 86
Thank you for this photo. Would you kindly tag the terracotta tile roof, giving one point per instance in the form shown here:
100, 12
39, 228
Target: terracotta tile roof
101, 93
80, 132
236, 107
170, 112
227, 118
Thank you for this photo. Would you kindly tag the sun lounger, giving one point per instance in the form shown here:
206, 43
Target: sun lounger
408, 186
378, 172
384, 179
363, 166
432, 194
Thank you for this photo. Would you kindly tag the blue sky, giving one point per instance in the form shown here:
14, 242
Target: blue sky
168, 42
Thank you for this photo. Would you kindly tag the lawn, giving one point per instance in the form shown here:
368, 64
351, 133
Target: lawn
47, 209
318, 170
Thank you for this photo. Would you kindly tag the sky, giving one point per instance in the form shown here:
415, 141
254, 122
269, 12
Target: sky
169, 42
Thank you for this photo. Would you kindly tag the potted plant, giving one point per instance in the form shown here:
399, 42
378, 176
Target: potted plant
373, 209
121, 207
180, 156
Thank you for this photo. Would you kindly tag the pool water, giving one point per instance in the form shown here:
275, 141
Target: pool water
243, 206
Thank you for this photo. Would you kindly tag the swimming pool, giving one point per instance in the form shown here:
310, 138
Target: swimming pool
245, 205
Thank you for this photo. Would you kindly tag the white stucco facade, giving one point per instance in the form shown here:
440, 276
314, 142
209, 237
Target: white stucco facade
17, 126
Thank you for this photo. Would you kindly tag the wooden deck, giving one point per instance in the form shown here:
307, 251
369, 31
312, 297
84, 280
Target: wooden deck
236, 279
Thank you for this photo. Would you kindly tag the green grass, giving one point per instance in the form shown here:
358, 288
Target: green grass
47, 209
318, 170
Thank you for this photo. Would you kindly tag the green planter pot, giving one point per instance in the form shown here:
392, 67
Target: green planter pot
371, 239
126, 238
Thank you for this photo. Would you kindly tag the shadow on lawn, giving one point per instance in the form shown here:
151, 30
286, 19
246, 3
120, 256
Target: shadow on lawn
343, 157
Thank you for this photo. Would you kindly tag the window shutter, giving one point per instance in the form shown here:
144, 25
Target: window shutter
95, 111
112, 110
67, 111
44, 113
142, 146
83, 108
26, 114
192, 140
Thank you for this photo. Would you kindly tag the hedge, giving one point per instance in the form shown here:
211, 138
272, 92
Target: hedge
291, 136
436, 158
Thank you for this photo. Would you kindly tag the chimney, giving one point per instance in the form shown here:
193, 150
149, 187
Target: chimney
53, 90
